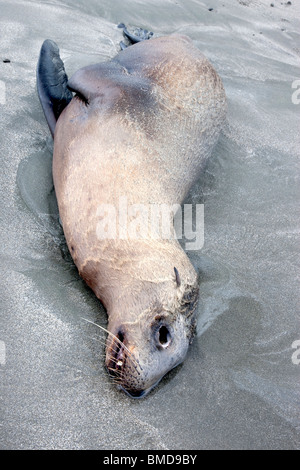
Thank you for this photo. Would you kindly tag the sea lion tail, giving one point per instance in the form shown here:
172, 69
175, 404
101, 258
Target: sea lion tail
52, 83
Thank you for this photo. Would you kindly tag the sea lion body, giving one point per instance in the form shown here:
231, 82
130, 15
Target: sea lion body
140, 126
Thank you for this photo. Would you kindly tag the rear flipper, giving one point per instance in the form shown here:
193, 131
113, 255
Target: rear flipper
52, 83
137, 35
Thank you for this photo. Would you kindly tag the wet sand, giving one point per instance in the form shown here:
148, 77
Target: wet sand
239, 387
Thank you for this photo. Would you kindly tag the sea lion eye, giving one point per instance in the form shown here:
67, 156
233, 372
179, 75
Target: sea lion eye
80, 94
81, 98
163, 337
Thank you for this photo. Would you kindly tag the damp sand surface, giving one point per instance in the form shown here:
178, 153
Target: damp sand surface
239, 386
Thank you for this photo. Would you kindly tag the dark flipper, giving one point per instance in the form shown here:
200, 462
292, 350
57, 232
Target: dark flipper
52, 83
137, 35
123, 46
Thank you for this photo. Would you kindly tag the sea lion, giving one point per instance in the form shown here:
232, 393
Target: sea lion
139, 126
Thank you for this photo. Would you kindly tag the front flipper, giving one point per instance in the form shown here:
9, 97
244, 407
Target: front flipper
52, 83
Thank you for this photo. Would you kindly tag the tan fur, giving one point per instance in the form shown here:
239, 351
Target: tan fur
154, 115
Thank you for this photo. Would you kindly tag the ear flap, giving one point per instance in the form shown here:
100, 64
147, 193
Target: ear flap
52, 83
177, 277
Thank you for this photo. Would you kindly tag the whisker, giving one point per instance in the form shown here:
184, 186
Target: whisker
98, 340
116, 367
116, 361
116, 339
108, 332
111, 358
120, 373
116, 376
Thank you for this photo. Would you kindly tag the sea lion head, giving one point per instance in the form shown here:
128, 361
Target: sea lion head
142, 348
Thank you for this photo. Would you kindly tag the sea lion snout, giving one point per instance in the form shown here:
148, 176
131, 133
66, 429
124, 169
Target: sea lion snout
150, 329
138, 356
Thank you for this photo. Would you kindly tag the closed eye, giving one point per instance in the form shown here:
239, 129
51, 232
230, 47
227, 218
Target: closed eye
80, 97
